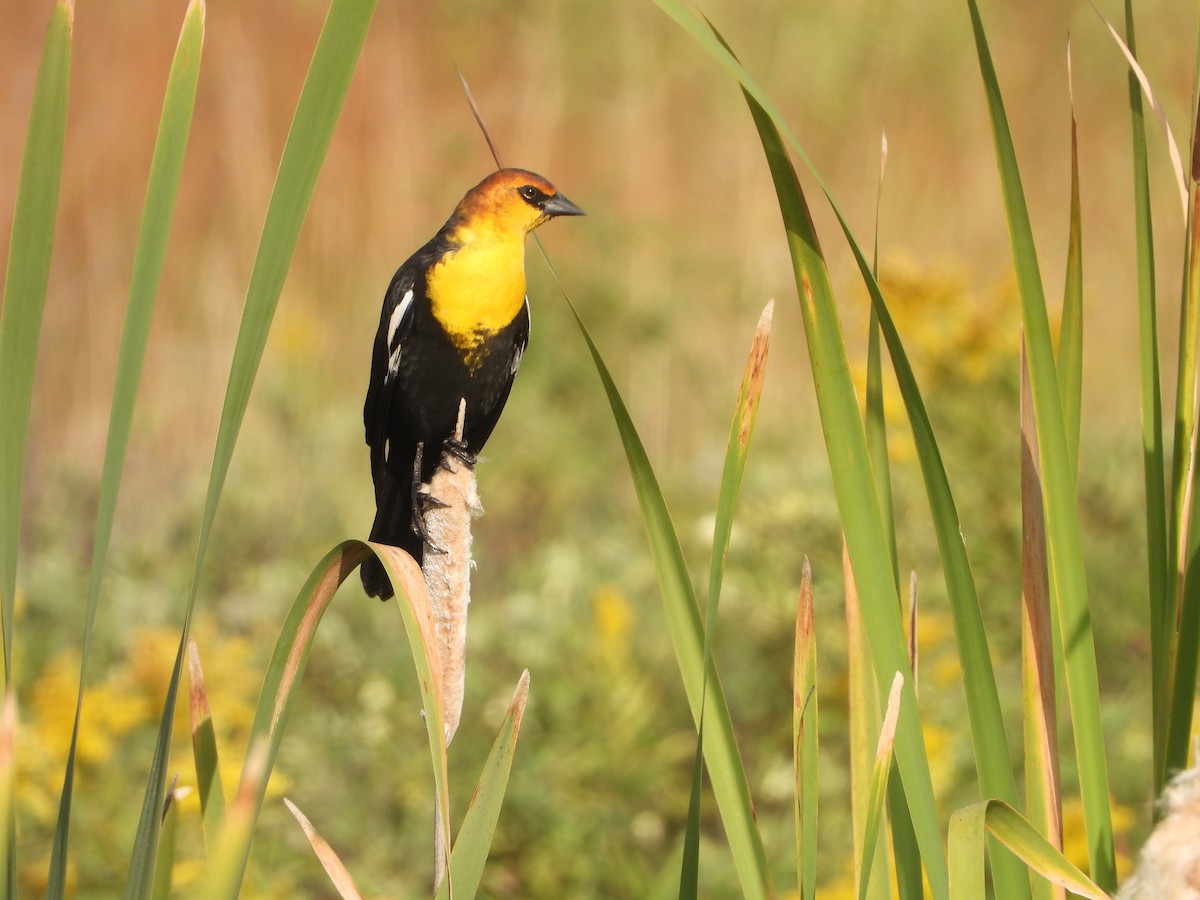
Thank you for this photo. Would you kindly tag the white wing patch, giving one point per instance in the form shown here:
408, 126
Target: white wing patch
394, 345
516, 363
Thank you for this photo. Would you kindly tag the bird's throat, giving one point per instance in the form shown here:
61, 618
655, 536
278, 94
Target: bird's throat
478, 289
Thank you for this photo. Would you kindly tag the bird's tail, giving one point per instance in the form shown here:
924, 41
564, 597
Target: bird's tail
393, 525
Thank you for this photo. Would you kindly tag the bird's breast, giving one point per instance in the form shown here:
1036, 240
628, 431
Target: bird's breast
475, 291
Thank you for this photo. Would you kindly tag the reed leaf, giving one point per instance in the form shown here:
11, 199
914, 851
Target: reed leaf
1185, 640
991, 756
1070, 335
1069, 587
721, 754
166, 168
164, 866
1011, 829
29, 251
479, 826
744, 415
230, 850
854, 486
879, 782
805, 737
1150, 381
204, 749
330, 861
1042, 781
316, 115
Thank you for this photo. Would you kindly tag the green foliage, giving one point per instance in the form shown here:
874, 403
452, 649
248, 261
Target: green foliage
599, 804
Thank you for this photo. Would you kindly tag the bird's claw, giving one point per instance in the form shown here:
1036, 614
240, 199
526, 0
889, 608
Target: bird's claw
422, 501
458, 449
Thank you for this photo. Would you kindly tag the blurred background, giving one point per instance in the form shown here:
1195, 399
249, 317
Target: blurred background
680, 250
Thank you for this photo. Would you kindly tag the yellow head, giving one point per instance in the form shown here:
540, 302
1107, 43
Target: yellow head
478, 286
508, 204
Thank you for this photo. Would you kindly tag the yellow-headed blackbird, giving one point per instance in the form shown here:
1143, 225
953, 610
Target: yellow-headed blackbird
455, 322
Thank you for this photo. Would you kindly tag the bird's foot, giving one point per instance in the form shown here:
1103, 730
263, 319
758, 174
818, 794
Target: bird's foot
458, 449
422, 501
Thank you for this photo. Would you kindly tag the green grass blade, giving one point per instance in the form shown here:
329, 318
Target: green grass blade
689, 863
745, 412
227, 860
1062, 522
873, 416
805, 737
965, 845
165, 171
163, 867
479, 826
30, 249
853, 483
29, 252
8, 777
879, 782
1186, 647
854, 486
1070, 336
225, 863
139, 881
1012, 830
1154, 466
1042, 781
330, 861
994, 767
683, 618
865, 720
316, 115
204, 750
229, 851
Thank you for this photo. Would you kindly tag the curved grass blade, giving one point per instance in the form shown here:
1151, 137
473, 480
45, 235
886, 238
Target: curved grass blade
979, 680
1172, 148
1069, 587
166, 168
227, 861
316, 115
879, 782
479, 826
1011, 829
854, 485
330, 861
683, 618
29, 252
745, 412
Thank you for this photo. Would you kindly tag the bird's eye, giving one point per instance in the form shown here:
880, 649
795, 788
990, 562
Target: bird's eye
529, 192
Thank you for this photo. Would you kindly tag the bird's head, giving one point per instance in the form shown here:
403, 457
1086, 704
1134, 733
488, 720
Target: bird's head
510, 202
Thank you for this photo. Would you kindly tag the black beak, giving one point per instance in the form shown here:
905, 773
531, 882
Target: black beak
558, 205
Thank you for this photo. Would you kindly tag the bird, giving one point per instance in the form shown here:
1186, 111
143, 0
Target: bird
453, 327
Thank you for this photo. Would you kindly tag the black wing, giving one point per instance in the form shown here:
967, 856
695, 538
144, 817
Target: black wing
395, 327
